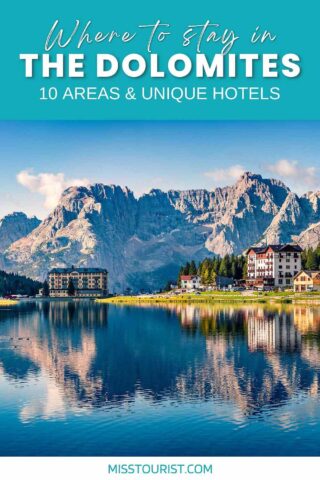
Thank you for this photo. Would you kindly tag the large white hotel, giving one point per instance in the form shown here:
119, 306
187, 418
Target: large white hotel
273, 265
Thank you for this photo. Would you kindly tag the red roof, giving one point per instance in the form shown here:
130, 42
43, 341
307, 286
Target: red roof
187, 277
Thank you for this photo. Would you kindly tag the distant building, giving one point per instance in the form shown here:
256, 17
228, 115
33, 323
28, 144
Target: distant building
307, 280
40, 293
273, 265
87, 282
223, 282
190, 282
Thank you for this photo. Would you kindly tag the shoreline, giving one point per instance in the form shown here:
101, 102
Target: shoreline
7, 303
217, 298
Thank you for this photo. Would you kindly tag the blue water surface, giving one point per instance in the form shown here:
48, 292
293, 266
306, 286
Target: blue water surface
78, 378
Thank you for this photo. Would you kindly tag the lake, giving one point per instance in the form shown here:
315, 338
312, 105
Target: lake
79, 378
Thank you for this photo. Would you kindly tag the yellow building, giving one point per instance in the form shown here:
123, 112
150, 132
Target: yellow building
85, 282
306, 281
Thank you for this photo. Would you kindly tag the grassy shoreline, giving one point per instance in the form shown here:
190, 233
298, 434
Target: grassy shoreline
217, 297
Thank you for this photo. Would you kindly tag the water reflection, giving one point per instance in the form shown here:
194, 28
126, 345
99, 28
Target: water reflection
256, 356
89, 356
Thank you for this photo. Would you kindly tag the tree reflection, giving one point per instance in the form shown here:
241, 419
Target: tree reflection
95, 356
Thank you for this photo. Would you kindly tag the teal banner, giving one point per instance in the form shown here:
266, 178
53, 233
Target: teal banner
160, 60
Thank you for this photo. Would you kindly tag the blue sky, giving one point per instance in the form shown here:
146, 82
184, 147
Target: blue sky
39, 159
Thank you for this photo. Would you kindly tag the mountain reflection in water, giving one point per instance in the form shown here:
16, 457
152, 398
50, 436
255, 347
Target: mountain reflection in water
68, 360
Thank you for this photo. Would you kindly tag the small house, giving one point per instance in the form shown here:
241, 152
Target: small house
307, 280
190, 282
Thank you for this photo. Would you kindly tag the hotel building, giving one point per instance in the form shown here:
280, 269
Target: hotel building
273, 265
87, 282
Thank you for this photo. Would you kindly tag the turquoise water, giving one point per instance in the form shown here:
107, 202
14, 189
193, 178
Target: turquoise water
84, 379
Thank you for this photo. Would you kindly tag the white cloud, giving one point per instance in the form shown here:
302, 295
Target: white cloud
299, 177
226, 175
50, 185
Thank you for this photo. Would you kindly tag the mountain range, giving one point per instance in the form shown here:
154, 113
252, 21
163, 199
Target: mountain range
143, 241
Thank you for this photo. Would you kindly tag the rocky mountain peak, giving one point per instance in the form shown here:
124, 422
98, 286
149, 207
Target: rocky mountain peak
249, 177
143, 241
15, 226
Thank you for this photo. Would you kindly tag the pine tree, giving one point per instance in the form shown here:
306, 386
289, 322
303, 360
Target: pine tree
12, 284
244, 268
234, 267
223, 269
317, 253
193, 268
311, 261
71, 289
179, 275
216, 264
206, 276
187, 269
45, 291
213, 277
227, 266
304, 258
205, 271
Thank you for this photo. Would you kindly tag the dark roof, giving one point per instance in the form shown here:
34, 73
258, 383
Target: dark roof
277, 248
78, 270
310, 273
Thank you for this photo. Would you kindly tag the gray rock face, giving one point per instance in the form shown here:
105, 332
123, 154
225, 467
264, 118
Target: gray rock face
143, 241
296, 220
15, 226
310, 237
